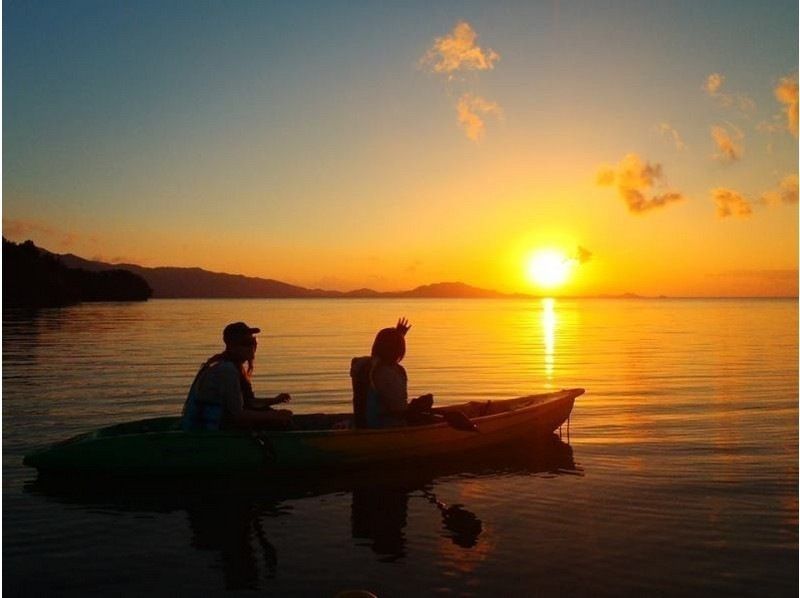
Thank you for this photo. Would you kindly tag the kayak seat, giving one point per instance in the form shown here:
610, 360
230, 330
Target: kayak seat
321, 421
359, 375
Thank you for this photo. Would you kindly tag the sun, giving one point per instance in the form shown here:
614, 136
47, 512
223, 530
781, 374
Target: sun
549, 268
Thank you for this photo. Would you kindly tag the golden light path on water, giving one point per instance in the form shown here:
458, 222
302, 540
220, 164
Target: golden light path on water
549, 323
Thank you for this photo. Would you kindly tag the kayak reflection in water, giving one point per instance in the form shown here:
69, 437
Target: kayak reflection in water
221, 396
227, 524
379, 515
380, 383
396, 515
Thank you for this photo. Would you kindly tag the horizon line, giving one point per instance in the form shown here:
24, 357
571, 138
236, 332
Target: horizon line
504, 295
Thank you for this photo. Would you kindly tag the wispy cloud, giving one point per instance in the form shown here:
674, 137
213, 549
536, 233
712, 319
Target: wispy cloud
119, 259
786, 193
667, 130
633, 179
605, 176
458, 51
581, 255
730, 203
414, 266
775, 282
743, 103
786, 94
714, 83
471, 109
713, 87
40, 233
21, 228
765, 274
730, 144
776, 125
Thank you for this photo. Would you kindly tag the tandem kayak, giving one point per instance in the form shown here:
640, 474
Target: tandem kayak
158, 446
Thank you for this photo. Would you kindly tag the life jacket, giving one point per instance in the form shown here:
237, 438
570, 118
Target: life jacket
368, 409
199, 414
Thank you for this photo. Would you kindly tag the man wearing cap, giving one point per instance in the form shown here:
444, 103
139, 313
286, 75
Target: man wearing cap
221, 396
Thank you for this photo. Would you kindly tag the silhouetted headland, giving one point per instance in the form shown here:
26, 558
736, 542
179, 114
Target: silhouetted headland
33, 277
196, 283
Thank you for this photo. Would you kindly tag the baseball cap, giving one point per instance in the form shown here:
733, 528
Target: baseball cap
238, 330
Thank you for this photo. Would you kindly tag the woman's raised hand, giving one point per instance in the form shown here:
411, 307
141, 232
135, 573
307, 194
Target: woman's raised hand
403, 326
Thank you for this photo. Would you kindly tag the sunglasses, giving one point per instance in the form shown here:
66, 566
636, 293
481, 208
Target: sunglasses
250, 342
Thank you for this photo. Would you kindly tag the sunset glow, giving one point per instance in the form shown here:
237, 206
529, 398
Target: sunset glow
483, 298
356, 147
549, 268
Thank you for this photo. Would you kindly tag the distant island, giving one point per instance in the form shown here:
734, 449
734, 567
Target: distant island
196, 283
124, 282
33, 277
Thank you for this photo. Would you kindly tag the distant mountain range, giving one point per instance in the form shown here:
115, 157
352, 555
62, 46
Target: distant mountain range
186, 283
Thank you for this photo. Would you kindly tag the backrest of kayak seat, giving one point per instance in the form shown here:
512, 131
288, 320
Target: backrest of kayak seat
359, 375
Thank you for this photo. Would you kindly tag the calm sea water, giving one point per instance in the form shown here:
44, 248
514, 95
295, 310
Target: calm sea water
679, 476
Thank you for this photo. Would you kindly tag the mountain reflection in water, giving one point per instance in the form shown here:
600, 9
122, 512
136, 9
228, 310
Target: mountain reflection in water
229, 515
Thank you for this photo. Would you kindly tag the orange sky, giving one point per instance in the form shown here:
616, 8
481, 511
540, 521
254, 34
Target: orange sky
395, 148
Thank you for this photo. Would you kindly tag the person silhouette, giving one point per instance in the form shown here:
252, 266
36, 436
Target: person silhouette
222, 397
380, 383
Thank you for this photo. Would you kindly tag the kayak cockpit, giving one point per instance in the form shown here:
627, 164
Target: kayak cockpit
310, 421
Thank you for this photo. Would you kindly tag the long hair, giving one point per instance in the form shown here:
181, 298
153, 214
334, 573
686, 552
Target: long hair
245, 373
389, 346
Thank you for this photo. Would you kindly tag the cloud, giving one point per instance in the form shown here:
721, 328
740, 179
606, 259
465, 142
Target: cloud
605, 176
713, 87
637, 202
765, 274
414, 266
458, 51
714, 83
633, 178
743, 103
119, 259
21, 228
730, 145
667, 130
786, 193
765, 282
730, 203
581, 255
40, 232
777, 125
786, 94
470, 109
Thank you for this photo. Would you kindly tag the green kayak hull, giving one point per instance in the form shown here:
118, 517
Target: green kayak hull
158, 446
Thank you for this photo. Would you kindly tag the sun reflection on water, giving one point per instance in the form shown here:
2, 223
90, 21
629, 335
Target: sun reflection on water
549, 323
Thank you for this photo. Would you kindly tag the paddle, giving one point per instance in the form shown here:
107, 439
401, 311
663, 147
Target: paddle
421, 411
458, 421
463, 525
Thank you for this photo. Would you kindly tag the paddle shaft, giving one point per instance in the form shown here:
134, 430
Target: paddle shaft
458, 421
